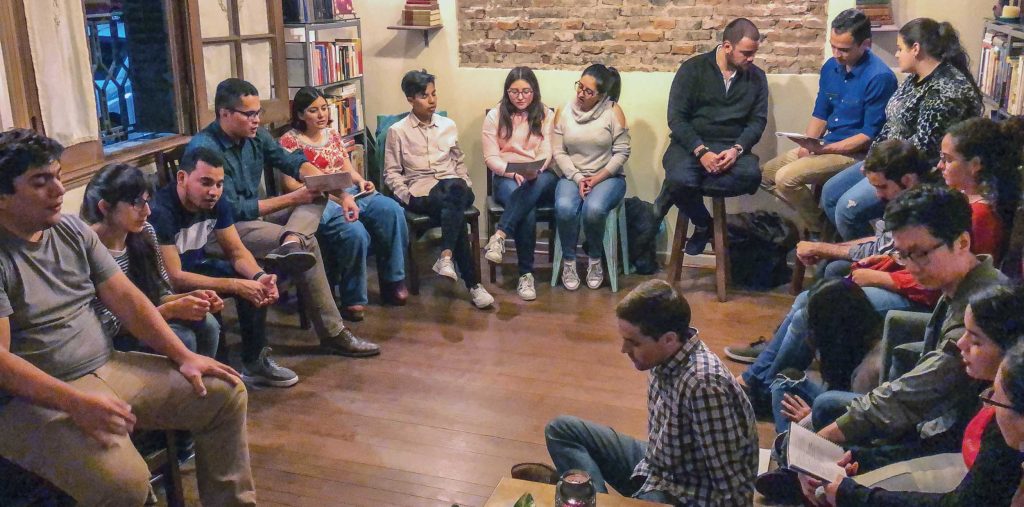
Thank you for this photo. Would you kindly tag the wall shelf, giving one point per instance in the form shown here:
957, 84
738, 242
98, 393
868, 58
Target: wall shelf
426, 30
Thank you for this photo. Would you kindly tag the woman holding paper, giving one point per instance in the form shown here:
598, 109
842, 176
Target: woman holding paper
989, 468
518, 130
381, 224
591, 146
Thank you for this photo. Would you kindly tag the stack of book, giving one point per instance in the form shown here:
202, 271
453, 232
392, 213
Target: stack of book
421, 13
346, 109
878, 11
329, 62
1001, 72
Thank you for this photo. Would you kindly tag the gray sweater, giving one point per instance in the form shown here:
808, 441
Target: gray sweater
586, 142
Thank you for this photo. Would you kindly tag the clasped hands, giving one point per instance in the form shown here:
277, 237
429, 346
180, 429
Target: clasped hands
715, 163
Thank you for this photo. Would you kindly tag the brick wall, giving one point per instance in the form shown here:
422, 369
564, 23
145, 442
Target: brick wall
634, 35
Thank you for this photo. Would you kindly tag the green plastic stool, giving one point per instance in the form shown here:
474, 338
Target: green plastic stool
614, 236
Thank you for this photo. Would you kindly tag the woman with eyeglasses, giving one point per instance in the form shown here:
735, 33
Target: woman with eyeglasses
116, 205
989, 467
519, 129
591, 146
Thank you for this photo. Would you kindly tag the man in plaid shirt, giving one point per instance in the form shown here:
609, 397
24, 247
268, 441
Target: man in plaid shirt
701, 446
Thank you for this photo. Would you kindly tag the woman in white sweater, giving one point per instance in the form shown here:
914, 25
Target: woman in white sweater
590, 146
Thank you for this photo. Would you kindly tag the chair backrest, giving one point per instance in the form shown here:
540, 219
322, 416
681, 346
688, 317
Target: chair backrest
167, 164
380, 141
490, 175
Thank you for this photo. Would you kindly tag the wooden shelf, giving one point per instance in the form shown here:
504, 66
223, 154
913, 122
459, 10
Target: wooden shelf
1011, 29
426, 30
885, 28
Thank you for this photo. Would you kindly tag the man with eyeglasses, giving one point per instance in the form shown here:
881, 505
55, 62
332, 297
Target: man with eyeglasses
853, 89
279, 230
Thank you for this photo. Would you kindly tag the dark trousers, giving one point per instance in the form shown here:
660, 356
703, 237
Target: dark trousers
520, 217
252, 320
447, 203
687, 182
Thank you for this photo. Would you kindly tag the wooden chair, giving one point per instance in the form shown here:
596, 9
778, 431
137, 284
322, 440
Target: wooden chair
615, 236
721, 246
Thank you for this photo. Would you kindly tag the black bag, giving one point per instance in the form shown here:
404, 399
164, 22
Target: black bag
758, 245
643, 235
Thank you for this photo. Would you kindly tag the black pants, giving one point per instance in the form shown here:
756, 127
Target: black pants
252, 320
447, 203
687, 182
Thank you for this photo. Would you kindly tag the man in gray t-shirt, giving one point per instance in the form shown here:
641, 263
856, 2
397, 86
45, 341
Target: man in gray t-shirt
68, 401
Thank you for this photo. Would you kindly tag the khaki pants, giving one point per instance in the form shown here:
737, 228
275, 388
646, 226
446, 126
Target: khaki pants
47, 442
789, 176
940, 473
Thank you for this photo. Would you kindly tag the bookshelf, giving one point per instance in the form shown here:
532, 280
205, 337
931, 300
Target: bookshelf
1001, 68
328, 55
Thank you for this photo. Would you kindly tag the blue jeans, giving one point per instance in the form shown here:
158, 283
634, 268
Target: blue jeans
804, 388
519, 220
345, 244
829, 406
607, 455
199, 336
570, 209
851, 204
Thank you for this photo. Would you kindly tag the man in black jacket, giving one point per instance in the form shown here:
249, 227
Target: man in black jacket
717, 111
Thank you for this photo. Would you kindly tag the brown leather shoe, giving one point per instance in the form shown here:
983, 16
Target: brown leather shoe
394, 293
536, 472
347, 344
354, 313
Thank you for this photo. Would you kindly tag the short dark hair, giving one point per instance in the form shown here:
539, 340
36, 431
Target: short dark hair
853, 22
193, 156
21, 150
415, 82
656, 308
739, 29
230, 92
1012, 369
896, 158
943, 211
303, 99
999, 312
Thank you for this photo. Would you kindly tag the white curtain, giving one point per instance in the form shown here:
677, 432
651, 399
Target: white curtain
60, 54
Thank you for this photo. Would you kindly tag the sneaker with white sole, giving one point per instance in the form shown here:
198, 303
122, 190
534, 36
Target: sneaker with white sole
527, 290
494, 251
265, 372
570, 279
445, 267
481, 298
595, 274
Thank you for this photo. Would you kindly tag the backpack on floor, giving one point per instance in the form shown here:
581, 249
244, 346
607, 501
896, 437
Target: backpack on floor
759, 242
643, 235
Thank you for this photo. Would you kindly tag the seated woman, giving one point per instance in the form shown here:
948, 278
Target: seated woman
940, 92
426, 170
116, 204
989, 468
381, 224
591, 146
518, 130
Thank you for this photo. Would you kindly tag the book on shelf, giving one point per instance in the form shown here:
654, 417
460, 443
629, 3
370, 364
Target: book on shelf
329, 62
421, 13
345, 107
343, 9
879, 12
307, 11
999, 72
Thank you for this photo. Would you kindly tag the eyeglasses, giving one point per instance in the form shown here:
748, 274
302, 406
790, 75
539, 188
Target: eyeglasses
945, 159
250, 115
139, 203
587, 92
525, 92
919, 258
986, 398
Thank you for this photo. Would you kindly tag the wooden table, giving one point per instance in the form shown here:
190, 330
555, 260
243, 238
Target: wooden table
509, 490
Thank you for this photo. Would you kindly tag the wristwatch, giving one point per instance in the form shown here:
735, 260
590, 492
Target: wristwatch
258, 274
739, 148
702, 151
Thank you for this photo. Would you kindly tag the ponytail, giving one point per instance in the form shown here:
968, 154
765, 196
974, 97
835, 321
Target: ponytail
940, 41
607, 79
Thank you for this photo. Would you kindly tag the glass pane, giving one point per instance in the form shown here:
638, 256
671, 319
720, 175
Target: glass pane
213, 18
220, 65
252, 17
256, 66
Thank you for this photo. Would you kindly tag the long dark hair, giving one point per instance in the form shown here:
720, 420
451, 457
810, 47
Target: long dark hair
844, 326
534, 112
303, 98
607, 78
940, 41
117, 183
998, 147
999, 312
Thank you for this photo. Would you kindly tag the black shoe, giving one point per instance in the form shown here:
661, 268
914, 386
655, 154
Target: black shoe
290, 258
780, 485
347, 344
696, 244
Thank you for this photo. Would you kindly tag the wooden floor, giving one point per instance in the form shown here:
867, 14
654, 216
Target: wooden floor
459, 395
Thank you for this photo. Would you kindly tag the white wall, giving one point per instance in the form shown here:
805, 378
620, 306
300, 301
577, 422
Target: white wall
6, 118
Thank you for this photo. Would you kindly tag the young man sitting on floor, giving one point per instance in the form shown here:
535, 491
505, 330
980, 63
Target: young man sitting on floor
701, 448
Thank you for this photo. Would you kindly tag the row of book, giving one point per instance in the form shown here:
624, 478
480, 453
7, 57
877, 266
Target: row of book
308, 11
346, 110
329, 61
421, 13
878, 11
1001, 72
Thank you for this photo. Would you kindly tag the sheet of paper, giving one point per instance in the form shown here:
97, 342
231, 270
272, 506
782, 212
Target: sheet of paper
332, 182
811, 454
794, 135
527, 169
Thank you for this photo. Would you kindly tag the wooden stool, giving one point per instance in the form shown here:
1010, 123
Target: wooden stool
721, 246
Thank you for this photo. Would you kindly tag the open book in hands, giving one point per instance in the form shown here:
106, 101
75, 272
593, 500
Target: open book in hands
793, 136
527, 170
811, 454
331, 182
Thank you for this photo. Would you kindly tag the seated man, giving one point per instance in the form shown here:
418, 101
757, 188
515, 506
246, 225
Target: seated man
188, 215
717, 111
278, 229
702, 440
426, 170
854, 87
67, 400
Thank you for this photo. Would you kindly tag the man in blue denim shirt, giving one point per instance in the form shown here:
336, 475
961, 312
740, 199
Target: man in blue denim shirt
849, 112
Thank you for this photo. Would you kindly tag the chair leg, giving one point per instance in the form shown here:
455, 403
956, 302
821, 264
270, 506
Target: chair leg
300, 300
411, 270
556, 261
172, 481
796, 285
474, 244
675, 261
611, 247
551, 247
624, 241
490, 232
721, 248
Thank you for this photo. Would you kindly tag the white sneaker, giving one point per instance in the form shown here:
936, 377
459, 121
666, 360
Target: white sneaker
445, 267
481, 298
595, 274
526, 289
494, 251
570, 279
